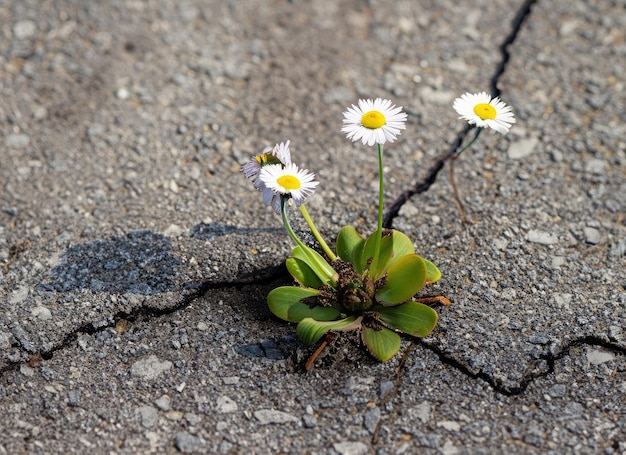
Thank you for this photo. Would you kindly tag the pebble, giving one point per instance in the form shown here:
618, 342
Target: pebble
351, 448
543, 238
18, 295
226, 405
597, 167
73, 398
309, 421
422, 411
188, 443
522, 148
149, 416
5, 340
24, 29
164, 403
17, 140
449, 425
122, 93
41, 312
371, 419
557, 391
267, 416
592, 235
385, 388
599, 356
150, 368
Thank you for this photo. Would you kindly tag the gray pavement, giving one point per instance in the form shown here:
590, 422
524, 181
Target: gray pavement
135, 258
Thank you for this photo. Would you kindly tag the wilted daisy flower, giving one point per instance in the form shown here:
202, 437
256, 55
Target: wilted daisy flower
288, 180
280, 154
481, 110
373, 122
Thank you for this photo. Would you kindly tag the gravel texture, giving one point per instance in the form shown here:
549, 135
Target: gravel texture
135, 258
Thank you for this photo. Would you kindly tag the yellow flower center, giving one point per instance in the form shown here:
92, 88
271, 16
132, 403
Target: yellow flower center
373, 120
288, 182
485, 111
267, 158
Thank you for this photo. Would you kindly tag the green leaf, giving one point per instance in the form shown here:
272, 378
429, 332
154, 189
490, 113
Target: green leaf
382, 344
285, 303
404, 279
386, 248
350, 246
413, 318
316, 262
303, 274
432, 272
311, 330
402, 246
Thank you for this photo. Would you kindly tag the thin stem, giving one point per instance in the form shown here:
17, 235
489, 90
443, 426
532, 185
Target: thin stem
457, 199
381, 201
292, 234
321, 268
470, 143
329, 253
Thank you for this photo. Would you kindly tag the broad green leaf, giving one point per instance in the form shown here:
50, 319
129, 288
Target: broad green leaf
432, 272
402, 246
350, 246
382, 344
316, 262
311, 330
404, 279
303, 274
285, 303
369, 249
413, 318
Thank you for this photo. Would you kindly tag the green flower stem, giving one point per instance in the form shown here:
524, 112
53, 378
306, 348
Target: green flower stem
316, 234
469, 144
381, 201
325, 266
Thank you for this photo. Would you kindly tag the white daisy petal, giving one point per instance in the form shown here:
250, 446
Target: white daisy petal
289, 180
485, 112
383, 121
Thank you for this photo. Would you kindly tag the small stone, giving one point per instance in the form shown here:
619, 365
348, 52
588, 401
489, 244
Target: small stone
599, 356
192, 419
422, 411
41, 312
17, 140
73, 398
18, 295
309, 421
522, 148
371, 418
267, 416
150, 368
27, 371
24, 29
449, 425
543, 238
149, 416
5, 340
164, 403
351, 448
202, 326
597, 167
230, 380
385, 388
557, 391
592, 235
188, 443
226, 405
122, 93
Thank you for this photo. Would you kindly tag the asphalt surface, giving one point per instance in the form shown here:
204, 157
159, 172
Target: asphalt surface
135, 257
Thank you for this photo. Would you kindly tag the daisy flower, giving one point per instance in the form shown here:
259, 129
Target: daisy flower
280, 154
373, 122
481, 110
288, 180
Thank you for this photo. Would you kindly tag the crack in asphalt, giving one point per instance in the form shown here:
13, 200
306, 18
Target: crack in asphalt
422, 185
